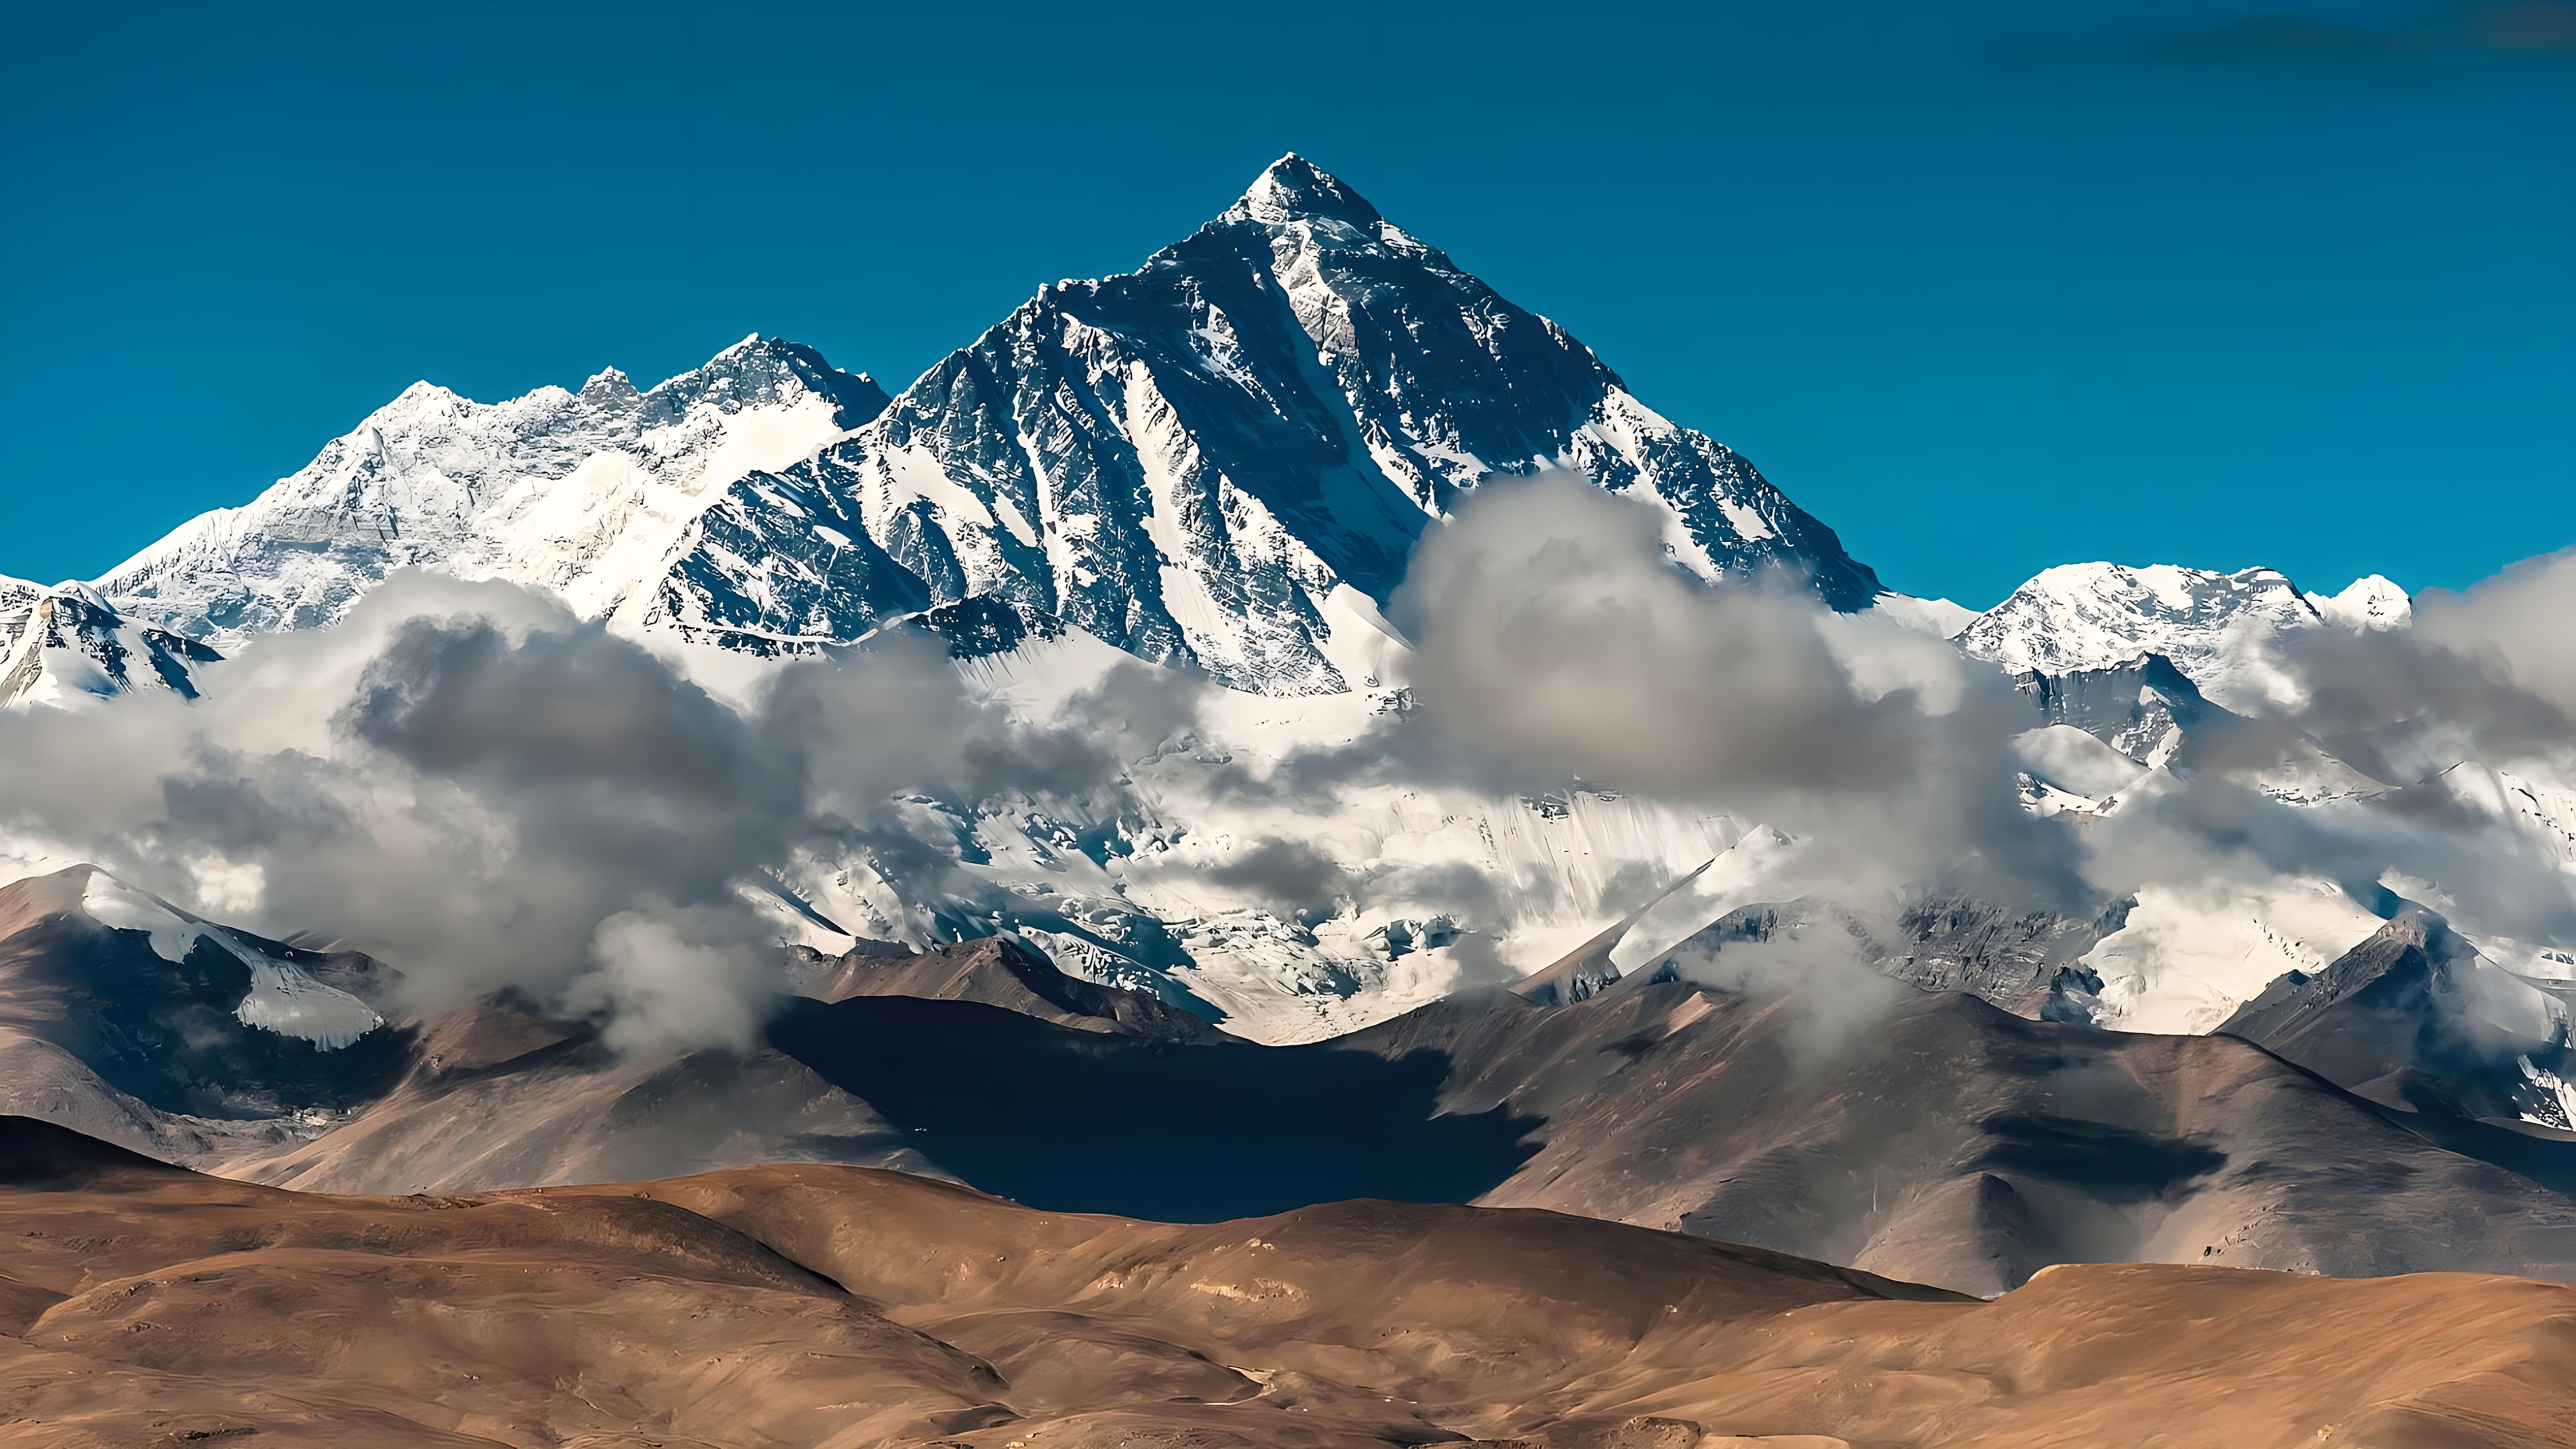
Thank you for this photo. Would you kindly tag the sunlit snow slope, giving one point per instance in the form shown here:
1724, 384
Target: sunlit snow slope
66, 645
584, 493
2219, 629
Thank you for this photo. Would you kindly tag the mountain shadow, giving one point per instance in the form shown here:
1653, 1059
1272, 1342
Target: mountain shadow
1088, 1122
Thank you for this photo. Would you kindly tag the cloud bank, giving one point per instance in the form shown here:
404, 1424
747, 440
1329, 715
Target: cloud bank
479, 788
1557, 641
485, 791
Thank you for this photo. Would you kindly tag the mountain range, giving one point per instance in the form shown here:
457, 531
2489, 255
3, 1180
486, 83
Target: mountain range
1953, 1144
1217, 463
1189, 462
1166, 994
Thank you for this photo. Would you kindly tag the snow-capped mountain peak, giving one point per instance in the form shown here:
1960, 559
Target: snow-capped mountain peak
583, 493
1293, 189
66, 645
2219, 629
2369, 602
1190, 461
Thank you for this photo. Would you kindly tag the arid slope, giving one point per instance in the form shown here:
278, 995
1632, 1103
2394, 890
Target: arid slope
1946, 1141
820, 1305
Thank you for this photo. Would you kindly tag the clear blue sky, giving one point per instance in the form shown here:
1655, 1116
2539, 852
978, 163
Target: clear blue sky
1988, 286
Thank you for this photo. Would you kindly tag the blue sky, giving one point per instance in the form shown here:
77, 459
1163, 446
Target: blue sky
1988, 286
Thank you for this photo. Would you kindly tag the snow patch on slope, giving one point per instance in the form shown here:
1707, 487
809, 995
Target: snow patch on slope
2189, 956
283, 997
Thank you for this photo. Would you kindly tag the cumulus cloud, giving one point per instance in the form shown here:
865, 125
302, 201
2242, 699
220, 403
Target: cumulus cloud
670, 981
471, 783
1463, 893
1553, 636
1557, 641
1557, 646
1290, 877
2483, 680
2517, 625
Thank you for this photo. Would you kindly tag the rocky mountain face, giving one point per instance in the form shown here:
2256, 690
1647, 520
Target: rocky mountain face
1931, 1137
582, 493
208, 1045
1187, 461
1951, 1143
2414, 1019
68, 645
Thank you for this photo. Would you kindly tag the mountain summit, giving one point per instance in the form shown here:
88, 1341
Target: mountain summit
1292, 188
1195, 460
1222, 458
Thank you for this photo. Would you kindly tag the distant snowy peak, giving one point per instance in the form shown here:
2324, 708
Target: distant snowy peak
2371, 602
2219, 629
1188, 461
585, 493
2096, 615
66, 646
